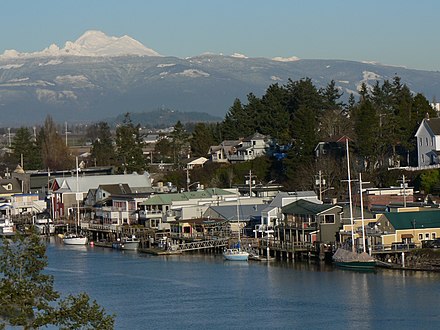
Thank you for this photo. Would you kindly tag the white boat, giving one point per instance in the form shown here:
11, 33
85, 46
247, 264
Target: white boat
130, 243
74, 239
236, 254
44, 225
6, 227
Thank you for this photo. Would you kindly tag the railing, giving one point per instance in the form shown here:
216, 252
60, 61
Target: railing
394, 247
199, 245
290, 246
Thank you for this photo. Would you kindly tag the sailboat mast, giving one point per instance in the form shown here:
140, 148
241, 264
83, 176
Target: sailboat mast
77, 199
349, 196
362, 212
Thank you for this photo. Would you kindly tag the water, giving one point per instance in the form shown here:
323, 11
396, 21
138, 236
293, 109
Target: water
205, 292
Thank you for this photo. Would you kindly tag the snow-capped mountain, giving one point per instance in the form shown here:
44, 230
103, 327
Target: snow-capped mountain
98, 77
91, 43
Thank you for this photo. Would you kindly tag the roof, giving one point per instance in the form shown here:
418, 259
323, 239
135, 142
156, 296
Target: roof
167, 199
303, 206
255, 136
136, 181
121, 188
414, 220
229, 212
434, 125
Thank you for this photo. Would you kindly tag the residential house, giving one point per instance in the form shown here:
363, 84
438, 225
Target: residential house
193, 162
221, 153
333, 146
428, 142
65, 190
251, 147
305, 221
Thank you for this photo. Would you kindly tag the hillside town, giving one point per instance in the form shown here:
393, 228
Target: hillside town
269, 221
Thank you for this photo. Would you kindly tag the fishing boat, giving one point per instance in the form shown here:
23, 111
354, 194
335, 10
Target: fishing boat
130, 243
347, 258
236, 253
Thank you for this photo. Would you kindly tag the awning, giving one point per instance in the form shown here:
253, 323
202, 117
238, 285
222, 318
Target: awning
407, 236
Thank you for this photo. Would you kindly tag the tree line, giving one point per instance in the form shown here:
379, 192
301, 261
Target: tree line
380, 123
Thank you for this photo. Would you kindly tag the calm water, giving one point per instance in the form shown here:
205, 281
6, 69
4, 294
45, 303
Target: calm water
204, 292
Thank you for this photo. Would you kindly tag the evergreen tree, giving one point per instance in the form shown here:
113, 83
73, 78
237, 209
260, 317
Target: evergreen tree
102, 150
273, 117
202, 139
24, 145
367, 138
27, 296
129, 147
179, 142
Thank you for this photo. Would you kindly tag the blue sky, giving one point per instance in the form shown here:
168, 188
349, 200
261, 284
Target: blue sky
396, 32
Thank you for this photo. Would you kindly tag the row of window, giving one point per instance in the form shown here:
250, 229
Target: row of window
427, 141
425, 236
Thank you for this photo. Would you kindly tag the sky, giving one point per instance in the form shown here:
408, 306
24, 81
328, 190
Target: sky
393, 32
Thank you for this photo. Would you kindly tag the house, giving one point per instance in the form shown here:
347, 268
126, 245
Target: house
65, 190
428, 142
271, 215
305, 221
193, 162
333, 146
409, 227
251, 147
160, 209
221, 153
238, 216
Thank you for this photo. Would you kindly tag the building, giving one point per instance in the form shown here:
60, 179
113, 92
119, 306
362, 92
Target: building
428, 142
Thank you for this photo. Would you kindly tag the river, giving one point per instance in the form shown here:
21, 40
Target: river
202, 291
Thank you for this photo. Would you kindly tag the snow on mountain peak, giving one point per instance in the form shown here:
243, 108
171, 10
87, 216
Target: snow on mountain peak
91, 43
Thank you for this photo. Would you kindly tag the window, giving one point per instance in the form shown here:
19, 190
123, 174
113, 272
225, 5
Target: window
433, 236
432, 141
420, 141
426, 141
329, 218
426, 235
420, 237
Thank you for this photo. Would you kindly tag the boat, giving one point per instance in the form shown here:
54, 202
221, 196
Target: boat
235, 253
344, 257
74, 239
352, 260
130, 243
6, 227
44, 224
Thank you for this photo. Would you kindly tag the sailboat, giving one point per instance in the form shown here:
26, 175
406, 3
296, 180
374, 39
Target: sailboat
75, 238
351, 258
236, 253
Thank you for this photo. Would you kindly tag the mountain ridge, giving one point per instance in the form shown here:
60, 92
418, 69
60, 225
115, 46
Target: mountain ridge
90, 88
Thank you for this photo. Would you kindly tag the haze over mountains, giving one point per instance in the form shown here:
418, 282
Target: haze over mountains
98, 77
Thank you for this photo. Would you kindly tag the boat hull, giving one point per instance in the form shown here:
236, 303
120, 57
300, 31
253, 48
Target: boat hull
356, 265
75, 240
131, 246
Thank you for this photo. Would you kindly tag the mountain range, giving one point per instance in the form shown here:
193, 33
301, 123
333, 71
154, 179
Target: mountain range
99, 77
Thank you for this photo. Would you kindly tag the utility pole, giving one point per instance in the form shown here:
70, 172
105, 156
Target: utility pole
250, 181
404, 185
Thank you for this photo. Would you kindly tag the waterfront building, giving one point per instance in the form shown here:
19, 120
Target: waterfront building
308, 222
